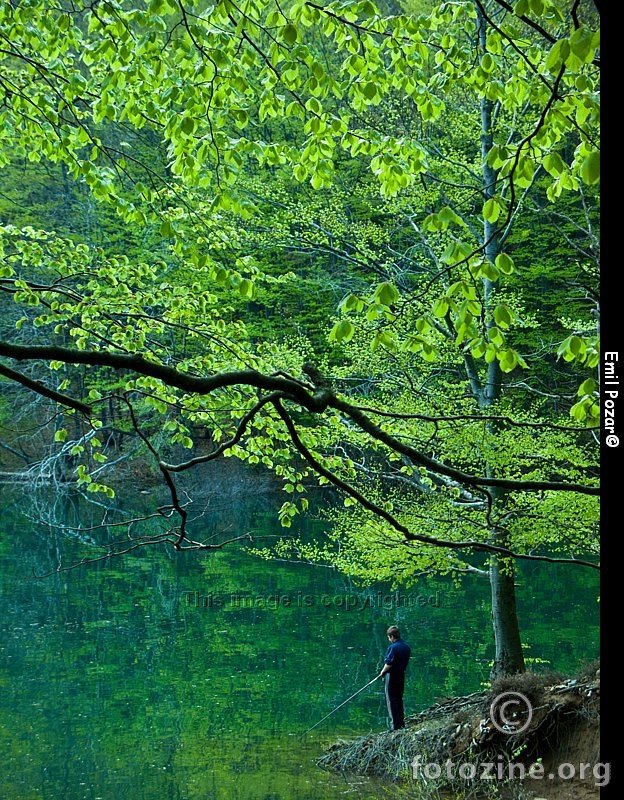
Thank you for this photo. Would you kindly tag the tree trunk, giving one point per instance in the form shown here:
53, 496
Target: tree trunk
509, 658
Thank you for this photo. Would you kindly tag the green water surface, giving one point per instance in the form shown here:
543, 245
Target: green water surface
194, 676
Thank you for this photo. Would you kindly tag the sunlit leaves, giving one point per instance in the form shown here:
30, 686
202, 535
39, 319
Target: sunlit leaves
504, 263
441, 307
386, 294
557, 56
579, 348
491, 210
289, 34
440, 221
554, 164
384, 338
590, 168
342, 331
587, 408
503, 316
197, 77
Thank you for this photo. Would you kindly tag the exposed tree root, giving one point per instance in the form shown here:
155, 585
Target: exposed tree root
446, 747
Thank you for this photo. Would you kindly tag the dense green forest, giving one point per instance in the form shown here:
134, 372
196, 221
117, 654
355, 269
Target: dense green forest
352, 244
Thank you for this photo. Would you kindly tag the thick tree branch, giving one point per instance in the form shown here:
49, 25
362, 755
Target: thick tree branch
45, 391
436, 466
410, 536
168, 375
315, 400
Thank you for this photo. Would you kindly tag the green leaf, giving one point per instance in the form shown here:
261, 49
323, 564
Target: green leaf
290, 34
588, 386
507, 359
352, 303
502, 316
246, 288
586, 411
554, 164
572, 348
369, 90
187, 125
478, 347
368, 9
489, 271
582, 43
487, 63
386, 294
495, 336
557, 56
342, 331
447, 216
490, 353
166, 229
491, 210
385, 338
432, 222
590, 168
441, 307
504, 263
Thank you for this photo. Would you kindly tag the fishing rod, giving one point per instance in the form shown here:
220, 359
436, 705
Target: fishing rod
342, 704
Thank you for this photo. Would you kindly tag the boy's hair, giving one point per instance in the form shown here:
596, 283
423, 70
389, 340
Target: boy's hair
393, 631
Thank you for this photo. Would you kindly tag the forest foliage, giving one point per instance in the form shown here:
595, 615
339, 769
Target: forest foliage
353, 243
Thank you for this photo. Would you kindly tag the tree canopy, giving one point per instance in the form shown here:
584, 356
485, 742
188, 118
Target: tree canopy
354, 243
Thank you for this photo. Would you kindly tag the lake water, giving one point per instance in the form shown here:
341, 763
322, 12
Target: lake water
160, 676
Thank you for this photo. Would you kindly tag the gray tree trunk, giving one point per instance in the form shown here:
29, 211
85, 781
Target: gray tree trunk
508, 658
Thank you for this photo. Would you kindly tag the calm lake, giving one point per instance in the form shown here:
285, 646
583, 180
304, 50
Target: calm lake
163, 676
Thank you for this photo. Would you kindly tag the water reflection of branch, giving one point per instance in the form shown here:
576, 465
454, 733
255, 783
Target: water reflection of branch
109, 554
176, 537
170, 537
104, 525
190, 544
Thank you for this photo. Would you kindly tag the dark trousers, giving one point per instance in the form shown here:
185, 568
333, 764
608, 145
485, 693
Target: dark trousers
395, 684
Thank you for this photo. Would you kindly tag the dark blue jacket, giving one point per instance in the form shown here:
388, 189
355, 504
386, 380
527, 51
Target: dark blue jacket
397, 655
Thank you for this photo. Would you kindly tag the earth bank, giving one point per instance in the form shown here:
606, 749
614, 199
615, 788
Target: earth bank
477, 747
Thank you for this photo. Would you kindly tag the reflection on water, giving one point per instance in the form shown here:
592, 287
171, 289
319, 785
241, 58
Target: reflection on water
195, 675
